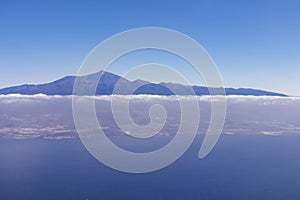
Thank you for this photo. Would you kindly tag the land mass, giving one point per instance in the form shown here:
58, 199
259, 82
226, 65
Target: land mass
105, 82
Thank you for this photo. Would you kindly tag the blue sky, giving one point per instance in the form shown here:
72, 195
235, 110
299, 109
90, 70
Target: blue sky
254, 43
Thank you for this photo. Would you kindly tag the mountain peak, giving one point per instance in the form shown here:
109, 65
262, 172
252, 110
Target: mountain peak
106, 82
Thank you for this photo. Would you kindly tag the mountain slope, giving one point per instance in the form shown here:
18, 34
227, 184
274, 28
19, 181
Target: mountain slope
107, 82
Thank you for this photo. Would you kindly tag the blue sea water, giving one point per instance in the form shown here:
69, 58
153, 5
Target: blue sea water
256, 157
240, 167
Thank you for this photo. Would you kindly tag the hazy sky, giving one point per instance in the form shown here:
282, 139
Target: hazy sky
254, 43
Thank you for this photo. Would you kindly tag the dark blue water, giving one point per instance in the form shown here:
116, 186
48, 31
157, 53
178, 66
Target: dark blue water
240, 167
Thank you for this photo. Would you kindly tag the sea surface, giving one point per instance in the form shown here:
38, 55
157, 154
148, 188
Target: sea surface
239, 167
256, 157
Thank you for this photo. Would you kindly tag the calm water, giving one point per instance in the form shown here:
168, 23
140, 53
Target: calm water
240, 167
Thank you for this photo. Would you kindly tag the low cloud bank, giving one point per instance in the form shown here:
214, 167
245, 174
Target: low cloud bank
50, 117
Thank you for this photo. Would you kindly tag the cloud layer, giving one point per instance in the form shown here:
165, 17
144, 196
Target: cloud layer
50, 117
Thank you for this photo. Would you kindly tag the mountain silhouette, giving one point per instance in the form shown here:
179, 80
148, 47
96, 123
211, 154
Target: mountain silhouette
106, 83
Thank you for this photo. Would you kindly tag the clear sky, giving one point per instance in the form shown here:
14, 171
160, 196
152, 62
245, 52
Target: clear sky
254, 43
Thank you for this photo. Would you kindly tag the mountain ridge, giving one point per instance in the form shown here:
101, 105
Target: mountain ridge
108, 81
